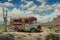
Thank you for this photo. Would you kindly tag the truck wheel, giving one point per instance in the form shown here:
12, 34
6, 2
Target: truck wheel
33, 30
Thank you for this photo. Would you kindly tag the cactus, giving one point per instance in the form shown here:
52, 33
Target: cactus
5, 20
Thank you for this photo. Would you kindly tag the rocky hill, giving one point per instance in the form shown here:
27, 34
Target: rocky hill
56, 21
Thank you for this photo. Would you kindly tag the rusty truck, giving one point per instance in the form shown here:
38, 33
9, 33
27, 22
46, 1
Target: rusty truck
25, 24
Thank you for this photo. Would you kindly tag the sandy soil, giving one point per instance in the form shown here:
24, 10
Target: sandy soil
30, 36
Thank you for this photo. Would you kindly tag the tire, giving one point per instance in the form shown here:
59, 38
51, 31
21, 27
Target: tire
33, 30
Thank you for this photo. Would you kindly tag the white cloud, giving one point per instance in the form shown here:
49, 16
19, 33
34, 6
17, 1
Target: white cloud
1, 19
47, 18
6, 4
25, 1
43, 7
22, 0
42, 19
32, 8
29, 4
42, 1
18, 13
9, 0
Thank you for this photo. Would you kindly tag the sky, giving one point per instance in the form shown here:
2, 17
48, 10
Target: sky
43, 10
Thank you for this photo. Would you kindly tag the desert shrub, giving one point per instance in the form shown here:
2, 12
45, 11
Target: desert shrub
38, 38
6, 37
1, 32
53, 37
57, 30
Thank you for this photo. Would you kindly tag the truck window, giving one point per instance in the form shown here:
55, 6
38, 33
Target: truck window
26, 21
33, 21
17, 21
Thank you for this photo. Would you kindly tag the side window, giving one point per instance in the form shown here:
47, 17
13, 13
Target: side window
26, 21
17, 21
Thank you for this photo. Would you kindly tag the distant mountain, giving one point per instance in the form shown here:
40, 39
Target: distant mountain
56, 21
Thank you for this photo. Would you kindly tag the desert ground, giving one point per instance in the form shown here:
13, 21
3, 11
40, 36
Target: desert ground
32, 36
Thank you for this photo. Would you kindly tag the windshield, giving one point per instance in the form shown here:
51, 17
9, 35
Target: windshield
33, 21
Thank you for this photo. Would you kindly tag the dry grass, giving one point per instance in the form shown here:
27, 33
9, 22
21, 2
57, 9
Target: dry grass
33, 36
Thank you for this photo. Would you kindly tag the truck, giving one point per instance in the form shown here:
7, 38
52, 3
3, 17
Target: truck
25, 24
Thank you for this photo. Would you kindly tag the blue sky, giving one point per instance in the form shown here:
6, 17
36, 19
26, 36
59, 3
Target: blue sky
17, 3
41, 9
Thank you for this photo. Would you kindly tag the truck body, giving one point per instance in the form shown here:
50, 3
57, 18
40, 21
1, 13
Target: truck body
25, 24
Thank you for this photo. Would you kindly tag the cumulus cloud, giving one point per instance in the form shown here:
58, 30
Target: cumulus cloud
47, 18
29, 4
22, 0
18, 13
42, 7
42, 1
6, 4
9, 0
31, 7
